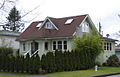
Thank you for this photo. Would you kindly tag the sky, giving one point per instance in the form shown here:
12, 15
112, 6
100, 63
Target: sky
104, 11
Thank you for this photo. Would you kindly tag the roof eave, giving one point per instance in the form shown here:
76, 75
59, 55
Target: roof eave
44, 38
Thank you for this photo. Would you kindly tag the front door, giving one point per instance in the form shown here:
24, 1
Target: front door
34, 47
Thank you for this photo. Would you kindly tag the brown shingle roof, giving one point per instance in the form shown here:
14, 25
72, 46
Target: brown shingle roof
65, 30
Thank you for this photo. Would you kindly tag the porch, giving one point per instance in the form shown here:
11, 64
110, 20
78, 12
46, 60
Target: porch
43, 46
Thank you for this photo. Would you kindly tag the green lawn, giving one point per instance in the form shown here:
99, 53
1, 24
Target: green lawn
87, 73
82, 73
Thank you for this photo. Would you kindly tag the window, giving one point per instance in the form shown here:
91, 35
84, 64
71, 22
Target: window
46, 45
60, 45
38, 26
108, 46
78, 27
54, 45
65, 45
69, 21
48, 25
23, 46
104, 46
85, 27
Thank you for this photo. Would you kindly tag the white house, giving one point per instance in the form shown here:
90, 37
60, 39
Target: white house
56, 33
8, 39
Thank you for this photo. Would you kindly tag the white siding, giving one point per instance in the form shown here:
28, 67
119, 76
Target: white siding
9, 41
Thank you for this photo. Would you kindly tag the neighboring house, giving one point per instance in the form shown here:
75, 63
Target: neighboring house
117, 51
8, 39
56, 33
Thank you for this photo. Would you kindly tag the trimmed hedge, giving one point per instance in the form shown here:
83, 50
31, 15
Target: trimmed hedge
20, 64
66, 61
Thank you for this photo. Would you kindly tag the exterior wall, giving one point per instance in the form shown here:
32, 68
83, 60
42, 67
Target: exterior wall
41, 47
9, 41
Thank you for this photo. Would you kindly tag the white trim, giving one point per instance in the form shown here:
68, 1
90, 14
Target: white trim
74, 33
53, 24
62, 44
47, 18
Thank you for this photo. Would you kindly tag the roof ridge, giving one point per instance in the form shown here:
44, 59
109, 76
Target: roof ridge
72, 16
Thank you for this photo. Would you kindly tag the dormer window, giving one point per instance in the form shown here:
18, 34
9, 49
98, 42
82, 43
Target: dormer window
48, 25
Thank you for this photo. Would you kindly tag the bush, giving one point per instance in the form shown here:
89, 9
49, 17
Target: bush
112, 61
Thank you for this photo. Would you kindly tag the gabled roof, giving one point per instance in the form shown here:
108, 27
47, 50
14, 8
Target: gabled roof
64, 30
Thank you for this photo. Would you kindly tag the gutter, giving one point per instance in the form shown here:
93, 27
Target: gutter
45, 38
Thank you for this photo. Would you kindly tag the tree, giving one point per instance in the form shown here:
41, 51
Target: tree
59, 60
14, 21
37, 63
89, 47
27, 63
43, 62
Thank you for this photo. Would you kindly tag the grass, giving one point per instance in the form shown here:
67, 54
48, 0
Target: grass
82, 73
87, 73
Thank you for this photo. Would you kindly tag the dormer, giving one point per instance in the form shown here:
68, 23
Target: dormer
48, 24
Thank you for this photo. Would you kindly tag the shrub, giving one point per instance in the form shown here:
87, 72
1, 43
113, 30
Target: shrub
6, 51
112, 61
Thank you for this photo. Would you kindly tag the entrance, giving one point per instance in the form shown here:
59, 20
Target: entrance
34, 47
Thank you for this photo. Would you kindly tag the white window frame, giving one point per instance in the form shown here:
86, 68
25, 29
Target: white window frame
85, 27
61, 44
108, 46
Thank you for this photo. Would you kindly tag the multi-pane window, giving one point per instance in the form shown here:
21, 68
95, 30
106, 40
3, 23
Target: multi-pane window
85, 27
48, 25
46, 45
108, 46
23, 46
60, 45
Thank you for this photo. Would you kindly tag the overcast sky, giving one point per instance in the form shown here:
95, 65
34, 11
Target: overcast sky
104, 11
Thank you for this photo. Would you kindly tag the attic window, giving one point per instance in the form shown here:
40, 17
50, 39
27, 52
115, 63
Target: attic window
38, 26
48, 25
69, 21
